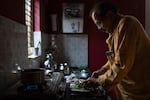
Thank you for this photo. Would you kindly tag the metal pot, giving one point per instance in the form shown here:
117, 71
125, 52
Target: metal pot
32, 76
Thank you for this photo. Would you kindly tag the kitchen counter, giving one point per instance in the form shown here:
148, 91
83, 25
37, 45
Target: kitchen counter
77, 94
52, 88
73, 93
55, 88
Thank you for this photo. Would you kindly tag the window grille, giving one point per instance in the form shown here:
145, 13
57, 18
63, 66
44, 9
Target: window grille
29, 21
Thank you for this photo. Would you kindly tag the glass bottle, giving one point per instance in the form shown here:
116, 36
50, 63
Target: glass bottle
66, 69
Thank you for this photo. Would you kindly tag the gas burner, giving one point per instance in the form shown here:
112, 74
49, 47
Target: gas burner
32, 87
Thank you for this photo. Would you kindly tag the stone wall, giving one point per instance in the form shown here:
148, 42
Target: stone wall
13, 49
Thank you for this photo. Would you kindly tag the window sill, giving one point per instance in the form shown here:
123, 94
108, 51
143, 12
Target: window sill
33, 56
34, 52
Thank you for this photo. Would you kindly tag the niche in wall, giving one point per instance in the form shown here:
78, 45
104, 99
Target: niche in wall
72, 21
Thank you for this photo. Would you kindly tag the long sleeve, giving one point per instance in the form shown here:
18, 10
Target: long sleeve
122, 60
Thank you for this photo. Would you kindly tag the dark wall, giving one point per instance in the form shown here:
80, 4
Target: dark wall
43, 7
13, 9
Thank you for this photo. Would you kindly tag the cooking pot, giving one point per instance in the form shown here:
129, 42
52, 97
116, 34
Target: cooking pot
32, 76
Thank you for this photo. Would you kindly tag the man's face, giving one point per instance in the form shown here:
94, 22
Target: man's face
101, 23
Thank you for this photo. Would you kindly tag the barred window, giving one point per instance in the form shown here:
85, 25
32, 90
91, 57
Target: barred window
32, 9
29, 21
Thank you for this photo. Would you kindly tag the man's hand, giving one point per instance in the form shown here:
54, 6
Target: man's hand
91, 82
95, 74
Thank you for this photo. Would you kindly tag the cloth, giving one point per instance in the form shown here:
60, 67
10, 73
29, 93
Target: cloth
129, 61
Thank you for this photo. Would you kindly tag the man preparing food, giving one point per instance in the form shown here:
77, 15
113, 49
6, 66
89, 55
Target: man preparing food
128, 65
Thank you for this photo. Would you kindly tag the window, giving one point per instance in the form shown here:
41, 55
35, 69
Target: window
29, 21
29, 24
32, 11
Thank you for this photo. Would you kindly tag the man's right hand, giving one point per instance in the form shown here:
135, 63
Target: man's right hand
91, 82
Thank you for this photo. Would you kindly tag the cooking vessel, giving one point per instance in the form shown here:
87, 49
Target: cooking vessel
32, 76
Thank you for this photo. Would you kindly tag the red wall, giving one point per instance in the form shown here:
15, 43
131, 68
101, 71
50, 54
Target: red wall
97, 45
36, 15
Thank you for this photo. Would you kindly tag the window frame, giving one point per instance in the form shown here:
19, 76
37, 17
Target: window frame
30, 21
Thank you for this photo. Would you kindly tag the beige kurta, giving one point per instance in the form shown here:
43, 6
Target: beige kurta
129, 65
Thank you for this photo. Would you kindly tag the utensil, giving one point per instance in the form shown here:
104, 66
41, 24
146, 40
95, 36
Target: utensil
32, 76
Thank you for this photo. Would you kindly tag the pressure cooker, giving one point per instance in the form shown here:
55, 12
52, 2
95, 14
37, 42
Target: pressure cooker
32, 76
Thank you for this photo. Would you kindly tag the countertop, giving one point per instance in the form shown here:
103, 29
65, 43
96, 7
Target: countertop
54, 88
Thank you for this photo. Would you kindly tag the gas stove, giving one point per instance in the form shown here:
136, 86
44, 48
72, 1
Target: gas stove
32, 87
49, 89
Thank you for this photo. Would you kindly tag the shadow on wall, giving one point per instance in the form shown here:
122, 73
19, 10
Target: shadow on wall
13, 50
73, 49
13, 41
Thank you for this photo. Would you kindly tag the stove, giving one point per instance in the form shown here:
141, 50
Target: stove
32, 87
49, 89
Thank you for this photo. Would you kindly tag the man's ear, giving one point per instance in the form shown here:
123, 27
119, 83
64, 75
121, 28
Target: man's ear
109, 14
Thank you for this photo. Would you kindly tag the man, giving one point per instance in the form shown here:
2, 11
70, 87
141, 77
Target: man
128, 65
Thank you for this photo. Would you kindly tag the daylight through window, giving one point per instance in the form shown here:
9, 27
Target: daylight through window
29, 21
